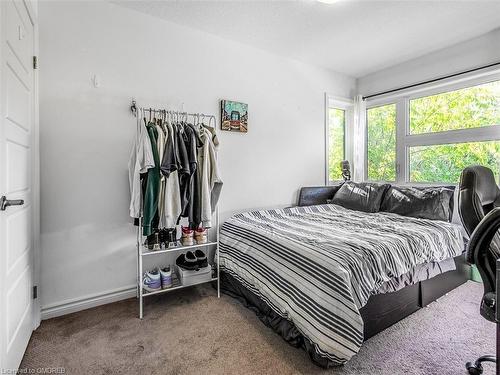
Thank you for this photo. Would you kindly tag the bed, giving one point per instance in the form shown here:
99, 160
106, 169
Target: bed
326, 278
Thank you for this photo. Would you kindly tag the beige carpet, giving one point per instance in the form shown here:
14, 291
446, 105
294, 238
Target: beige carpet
193, 332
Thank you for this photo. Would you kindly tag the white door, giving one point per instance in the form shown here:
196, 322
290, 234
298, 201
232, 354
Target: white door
16, 181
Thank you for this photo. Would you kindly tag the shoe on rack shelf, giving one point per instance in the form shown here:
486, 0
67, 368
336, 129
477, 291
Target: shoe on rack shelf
164, 238
172, 238
201, 235
153, 241
187, 238
201, 258
151, 280
166, 277
188, 261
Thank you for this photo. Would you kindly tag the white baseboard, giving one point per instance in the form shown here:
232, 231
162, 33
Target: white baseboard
87, 302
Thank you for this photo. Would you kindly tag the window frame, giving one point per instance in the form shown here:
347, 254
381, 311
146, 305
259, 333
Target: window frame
347, 105
405, 140
365, 167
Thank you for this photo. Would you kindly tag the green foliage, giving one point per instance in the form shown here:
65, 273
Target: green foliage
462, 109
381, 123
336, 133
444, 163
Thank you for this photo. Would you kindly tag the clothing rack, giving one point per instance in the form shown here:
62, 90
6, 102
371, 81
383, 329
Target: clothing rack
134, 109
143, 251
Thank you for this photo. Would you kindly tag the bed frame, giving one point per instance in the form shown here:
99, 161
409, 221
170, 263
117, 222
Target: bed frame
380, 312
383, 310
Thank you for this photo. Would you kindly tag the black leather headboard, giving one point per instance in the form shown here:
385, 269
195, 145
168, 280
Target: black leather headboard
310, 196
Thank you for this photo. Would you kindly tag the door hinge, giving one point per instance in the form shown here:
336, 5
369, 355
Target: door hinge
35, 62
35, 292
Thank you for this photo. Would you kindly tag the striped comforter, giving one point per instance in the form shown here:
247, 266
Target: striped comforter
317, 266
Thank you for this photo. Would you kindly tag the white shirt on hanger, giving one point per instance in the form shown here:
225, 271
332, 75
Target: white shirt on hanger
210, 183
141, 159
172, 196
161, 199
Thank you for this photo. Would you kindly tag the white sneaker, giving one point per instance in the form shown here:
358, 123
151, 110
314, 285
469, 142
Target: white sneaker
201, 235
151, 280
166, 277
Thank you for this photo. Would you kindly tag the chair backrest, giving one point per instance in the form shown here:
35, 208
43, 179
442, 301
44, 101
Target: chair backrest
478, 195
478, 248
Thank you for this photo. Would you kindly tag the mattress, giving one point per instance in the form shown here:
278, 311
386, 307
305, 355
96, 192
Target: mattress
420, 272
317, 266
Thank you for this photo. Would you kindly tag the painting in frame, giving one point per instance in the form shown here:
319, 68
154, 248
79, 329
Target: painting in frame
234, 116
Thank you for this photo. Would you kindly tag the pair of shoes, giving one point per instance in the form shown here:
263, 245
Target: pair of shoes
159, 278
187, 238
168, 237
192, 261
201, 235
162, 239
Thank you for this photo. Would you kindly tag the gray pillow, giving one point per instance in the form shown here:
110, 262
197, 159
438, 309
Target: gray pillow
362, 196
435, 203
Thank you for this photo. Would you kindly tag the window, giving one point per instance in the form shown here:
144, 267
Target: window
336, 132
444, 163
467, 108
439, 132
381, 142
339, 114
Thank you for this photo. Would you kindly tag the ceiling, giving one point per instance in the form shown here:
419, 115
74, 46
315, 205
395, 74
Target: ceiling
352, 37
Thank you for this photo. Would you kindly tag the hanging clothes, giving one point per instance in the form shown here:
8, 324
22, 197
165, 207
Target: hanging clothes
172, 197
173, 174
183, 166
140, 161
151, 194
190, 141
160, 144
210, 183
215, 140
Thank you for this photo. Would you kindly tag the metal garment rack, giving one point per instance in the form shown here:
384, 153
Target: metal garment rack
178, 114
143, 251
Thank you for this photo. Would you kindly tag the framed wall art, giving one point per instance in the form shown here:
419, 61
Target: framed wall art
234, 116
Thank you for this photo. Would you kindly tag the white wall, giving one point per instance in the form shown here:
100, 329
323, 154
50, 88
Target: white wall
460, 57
86, 132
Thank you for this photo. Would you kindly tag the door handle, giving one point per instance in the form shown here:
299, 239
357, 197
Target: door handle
4, 203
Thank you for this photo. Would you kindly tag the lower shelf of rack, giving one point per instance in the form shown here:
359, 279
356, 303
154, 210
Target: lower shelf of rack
176, 285
145, 251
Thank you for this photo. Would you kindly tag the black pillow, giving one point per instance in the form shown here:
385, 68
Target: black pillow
435, 203
362, 196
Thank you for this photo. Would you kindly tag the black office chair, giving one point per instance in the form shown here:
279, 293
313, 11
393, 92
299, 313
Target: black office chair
479, 208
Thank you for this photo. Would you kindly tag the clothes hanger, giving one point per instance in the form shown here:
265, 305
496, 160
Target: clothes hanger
183, 120
158, 119
165, 119
202, 125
